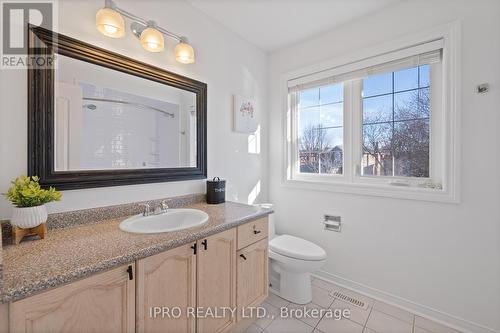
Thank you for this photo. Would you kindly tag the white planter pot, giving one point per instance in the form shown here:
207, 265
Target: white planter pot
29, 217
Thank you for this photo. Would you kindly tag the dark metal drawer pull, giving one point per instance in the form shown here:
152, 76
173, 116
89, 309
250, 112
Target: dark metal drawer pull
243, 256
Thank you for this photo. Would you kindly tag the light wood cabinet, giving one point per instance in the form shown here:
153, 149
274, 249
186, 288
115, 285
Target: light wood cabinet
4, 318
216, 278
104, 302
252, 232
252, 276
201, 277
167, 280
227, 270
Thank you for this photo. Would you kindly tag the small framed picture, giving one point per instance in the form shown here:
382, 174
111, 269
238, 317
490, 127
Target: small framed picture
244, 114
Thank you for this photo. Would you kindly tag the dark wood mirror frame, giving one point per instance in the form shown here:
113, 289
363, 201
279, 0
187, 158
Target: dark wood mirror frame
41, 80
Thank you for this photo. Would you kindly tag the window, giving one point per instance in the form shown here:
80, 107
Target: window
320, 136
378, 123
396, 114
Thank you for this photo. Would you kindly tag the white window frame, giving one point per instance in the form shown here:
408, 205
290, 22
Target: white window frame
446, 122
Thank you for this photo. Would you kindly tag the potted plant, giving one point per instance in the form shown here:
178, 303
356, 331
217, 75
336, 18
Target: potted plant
29, 200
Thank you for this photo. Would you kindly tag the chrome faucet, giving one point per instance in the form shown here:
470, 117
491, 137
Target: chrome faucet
162, 208
147, 209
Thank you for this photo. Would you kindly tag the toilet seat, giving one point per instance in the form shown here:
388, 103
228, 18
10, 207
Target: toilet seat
297, 248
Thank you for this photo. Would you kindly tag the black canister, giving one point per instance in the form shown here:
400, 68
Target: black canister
216, 191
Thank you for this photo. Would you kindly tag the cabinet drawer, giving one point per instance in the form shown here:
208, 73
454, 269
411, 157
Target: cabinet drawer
252, 232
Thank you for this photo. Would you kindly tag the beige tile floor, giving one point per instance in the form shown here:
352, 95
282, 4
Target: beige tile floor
377, 318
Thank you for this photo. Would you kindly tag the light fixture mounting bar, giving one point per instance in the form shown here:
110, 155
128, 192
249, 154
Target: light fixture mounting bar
111, 4
171, 34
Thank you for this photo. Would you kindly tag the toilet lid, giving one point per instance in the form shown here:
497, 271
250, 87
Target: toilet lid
297, 248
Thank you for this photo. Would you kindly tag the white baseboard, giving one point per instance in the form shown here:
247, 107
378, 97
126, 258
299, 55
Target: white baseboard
443, 318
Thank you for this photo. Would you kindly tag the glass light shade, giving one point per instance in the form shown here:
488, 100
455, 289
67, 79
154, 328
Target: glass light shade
184, 53
152, 40
110, 23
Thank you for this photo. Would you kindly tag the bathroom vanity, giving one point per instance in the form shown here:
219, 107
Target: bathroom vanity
88, 275
95, 277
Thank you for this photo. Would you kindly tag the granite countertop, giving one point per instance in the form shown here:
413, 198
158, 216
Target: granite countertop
71, 253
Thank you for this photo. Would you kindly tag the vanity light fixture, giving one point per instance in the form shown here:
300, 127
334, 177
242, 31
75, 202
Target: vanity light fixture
152, 39
184, 52
110, 22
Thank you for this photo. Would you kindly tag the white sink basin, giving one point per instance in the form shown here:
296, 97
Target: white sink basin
172, 220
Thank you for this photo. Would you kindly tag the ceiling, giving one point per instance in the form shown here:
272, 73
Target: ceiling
274, 24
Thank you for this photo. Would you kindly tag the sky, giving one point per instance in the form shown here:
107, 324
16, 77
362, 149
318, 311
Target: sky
323, 106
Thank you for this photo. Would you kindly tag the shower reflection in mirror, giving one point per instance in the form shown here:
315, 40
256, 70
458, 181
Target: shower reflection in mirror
106, 119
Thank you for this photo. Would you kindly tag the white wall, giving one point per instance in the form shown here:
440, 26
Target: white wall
425, 256
226, 63
441, 256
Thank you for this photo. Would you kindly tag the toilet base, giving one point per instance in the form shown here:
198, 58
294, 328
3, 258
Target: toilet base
296, 287
295, 283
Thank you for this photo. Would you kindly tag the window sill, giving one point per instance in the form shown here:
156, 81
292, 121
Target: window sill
375, 190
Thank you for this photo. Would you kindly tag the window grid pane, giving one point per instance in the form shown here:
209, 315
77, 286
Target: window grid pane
320, 126
396, 125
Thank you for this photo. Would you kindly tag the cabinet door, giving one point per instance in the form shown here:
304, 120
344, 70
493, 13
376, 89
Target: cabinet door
217, 280
101, 303
168, 281
252, 280
4, 317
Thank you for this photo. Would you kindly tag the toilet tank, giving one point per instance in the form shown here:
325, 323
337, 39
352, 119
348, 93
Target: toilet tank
272, 228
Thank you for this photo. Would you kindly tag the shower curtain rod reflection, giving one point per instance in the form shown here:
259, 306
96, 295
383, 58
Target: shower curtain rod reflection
171, 115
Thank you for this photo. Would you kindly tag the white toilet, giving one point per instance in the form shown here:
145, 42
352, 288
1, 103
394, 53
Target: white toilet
294, 259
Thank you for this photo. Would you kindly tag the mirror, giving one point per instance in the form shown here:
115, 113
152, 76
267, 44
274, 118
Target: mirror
97, 118
106, 120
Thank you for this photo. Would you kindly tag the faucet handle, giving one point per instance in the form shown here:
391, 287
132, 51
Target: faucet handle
147, 209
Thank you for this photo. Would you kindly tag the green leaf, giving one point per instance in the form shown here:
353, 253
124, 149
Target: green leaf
27, 192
